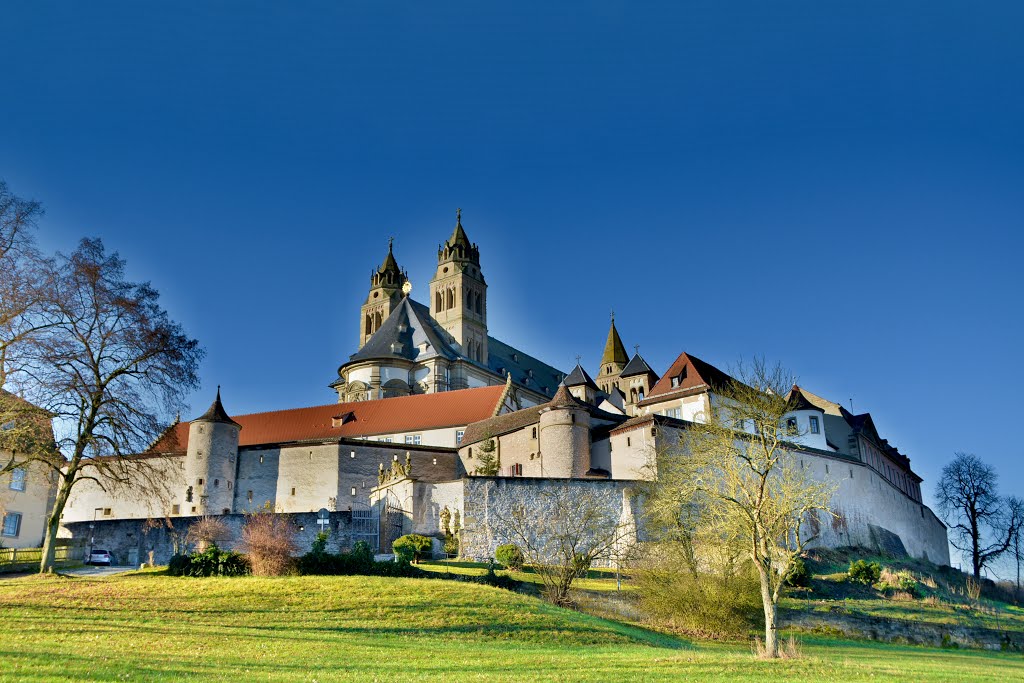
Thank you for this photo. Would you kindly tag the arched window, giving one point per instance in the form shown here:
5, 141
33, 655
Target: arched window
369, 324
451, 298
437, 301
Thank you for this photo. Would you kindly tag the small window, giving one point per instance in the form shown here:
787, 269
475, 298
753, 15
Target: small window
629, 442
470, 454
534, 433
193, 509
226, 511
293, 490
791, 427
826, 468
12, 524
675, 382
458, 437
248, 496
216, 483
229, 486
18, 479
573, 417
352, 454
175, 509
199, 482
107, 512
261, 458
815, 427
353, 490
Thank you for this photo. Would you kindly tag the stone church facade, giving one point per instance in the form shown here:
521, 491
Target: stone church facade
428, 392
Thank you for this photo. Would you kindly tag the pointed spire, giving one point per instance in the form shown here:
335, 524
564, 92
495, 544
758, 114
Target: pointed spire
614, 349
459, 234
216, 412
389, 261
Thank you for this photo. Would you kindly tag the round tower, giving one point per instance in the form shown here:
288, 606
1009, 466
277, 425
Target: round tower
565, 436
211, 462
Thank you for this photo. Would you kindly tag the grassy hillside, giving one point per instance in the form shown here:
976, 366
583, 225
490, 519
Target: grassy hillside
148, 626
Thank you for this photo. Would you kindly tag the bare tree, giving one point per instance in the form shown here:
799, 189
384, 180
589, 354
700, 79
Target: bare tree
743, 489
110, 369
25, 308
562, 532
968, 496
1015, 507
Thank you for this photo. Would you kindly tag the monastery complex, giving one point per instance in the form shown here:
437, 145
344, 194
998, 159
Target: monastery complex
428, 391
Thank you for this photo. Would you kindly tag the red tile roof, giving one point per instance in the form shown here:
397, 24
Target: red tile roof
697, 374
368, 418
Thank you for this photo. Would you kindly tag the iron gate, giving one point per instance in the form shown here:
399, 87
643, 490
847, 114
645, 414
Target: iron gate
366, 527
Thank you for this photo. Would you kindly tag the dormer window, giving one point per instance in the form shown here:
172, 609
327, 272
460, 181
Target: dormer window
396, 347
675, 382
344, 418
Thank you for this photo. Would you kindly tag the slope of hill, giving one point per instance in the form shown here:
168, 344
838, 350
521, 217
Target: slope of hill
148, 626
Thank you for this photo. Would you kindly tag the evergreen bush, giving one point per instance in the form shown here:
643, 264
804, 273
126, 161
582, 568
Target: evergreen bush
510, 556
798, 575
864, 572
412, 548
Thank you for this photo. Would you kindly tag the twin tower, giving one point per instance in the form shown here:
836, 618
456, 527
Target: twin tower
458, 294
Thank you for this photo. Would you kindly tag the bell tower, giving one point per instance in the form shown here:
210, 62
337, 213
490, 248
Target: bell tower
613, 360
458, 293
385, 294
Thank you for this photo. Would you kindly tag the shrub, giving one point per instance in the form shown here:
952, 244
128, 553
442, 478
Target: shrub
207, 531
510, 556
411, 548
864, 572
716, 598
798, 575
451, 545
178, 566
211, 562
319, 546
269, 540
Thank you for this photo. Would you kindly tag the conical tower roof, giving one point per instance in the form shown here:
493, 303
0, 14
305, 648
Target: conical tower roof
216, 413
390, 264
459, 236
614, 349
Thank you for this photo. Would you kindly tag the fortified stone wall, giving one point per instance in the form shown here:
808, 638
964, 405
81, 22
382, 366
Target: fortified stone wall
130, 540
488, 501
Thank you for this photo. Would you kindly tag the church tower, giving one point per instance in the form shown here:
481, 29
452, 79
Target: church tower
385, 294
458, 294
613, 360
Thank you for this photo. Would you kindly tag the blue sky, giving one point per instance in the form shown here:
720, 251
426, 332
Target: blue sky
837, 187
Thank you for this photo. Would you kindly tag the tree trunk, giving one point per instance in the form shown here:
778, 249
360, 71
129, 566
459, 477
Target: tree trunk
53, 525
771, 635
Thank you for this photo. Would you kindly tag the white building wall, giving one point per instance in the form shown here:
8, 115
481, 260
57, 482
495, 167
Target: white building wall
130, 500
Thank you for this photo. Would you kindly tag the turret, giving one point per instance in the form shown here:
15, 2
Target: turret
385, 294
211, 462
565, 436
636, 380
458, 294
580, 385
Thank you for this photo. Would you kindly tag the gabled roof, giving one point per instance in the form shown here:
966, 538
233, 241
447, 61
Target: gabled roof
798, 401
614, 350
404, 332
354, 420
637, 366
579, 377
693, 373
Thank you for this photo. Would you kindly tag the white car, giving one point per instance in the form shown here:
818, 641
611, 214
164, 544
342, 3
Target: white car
100, 557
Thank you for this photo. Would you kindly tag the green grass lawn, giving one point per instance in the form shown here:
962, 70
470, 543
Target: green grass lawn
148, 626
